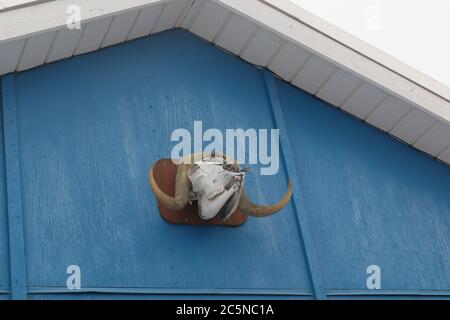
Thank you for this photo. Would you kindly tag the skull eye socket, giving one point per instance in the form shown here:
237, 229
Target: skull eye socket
194, 168
225, 210
229, 184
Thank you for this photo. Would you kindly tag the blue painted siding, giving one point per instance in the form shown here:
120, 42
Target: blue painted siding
90, 126
372, 199
87, 136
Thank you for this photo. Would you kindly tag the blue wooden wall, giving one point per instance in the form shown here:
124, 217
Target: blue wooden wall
89, 127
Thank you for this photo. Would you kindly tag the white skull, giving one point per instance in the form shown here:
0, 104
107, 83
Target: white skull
216, 189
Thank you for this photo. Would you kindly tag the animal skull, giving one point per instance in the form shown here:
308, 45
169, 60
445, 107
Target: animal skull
216, 189
216, 182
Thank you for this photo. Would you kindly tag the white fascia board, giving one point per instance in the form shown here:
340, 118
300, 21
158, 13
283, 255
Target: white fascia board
295, 11
292, 29
15, 4
52, 15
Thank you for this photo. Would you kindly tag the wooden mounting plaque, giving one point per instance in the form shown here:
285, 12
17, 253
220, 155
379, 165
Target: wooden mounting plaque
164, 172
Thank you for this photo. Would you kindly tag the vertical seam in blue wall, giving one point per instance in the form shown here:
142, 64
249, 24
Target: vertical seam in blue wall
13, 191
300, 208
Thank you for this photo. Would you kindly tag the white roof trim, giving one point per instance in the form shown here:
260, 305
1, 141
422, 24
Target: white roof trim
48, 16
361, 47
333, 65
348, 57
6, 5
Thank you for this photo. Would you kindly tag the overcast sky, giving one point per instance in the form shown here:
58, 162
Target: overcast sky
416, 32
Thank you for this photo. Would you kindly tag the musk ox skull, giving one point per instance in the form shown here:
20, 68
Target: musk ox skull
217, 183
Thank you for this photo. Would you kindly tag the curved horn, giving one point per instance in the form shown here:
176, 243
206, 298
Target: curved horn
249, 208
181, 198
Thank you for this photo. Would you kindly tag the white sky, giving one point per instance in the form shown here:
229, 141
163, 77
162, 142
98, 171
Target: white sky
416, 32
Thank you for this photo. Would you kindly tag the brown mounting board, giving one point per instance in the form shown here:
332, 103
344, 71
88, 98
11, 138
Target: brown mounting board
164, 172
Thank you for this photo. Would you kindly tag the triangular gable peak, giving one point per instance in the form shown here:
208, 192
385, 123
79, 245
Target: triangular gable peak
275, 34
